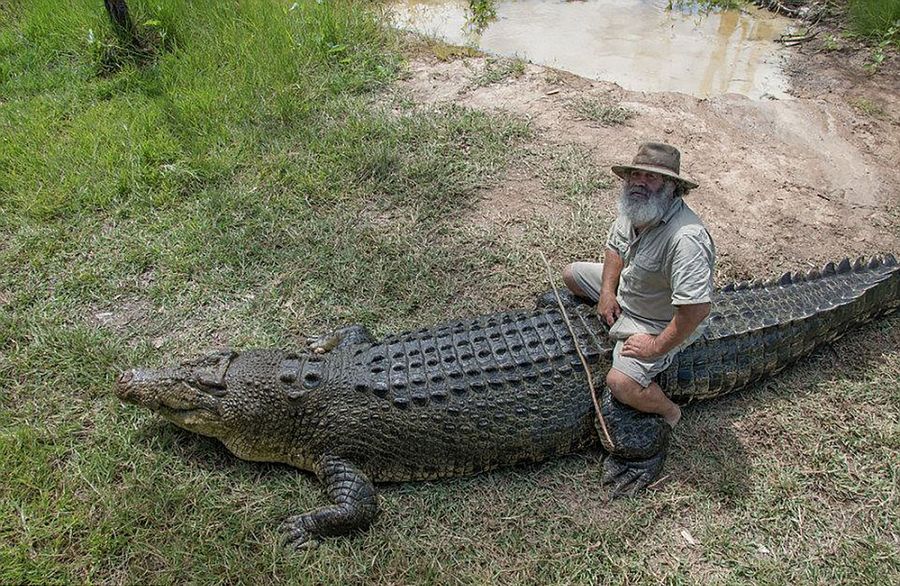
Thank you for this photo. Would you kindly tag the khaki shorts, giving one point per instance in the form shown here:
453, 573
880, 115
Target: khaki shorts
588, 277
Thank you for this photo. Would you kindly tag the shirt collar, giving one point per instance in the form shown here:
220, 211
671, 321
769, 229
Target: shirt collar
674, 208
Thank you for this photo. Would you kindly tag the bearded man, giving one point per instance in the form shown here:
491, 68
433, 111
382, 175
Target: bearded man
655, 284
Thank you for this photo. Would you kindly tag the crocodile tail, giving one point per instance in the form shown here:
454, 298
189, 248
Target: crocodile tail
757, 329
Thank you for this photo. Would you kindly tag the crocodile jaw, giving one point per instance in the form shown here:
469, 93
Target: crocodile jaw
176, 395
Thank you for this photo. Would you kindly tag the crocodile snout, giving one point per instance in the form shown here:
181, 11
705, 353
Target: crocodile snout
123, 384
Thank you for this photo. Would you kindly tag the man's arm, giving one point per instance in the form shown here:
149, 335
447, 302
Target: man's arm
608, 307
686, 320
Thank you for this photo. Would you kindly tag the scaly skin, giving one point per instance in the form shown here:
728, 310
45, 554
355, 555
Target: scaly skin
475, 394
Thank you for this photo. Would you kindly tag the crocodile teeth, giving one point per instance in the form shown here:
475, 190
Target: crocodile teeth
844, 267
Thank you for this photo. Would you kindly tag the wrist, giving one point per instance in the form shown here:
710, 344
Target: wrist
659, 345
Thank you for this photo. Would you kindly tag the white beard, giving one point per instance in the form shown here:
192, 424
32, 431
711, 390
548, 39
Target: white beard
645, 212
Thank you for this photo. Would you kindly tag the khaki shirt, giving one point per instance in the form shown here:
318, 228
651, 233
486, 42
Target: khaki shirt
667, 265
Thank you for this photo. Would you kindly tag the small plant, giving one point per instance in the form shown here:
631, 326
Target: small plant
831, 44
869, 108
879, 51
481, 14
605, 114
497, 70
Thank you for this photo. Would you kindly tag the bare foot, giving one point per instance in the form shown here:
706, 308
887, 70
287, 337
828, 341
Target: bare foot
674, 417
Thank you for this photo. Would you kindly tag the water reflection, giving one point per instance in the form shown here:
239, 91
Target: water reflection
636, 43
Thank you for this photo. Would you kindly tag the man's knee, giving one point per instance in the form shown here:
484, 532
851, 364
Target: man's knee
621, 385
569, 280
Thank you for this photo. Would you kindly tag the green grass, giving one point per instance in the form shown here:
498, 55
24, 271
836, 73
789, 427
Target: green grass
599, 111
257, 183
876, 20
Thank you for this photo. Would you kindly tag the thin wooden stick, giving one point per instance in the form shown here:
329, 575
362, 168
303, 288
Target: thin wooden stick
584, 363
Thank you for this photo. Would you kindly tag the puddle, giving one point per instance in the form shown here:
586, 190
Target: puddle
637, 44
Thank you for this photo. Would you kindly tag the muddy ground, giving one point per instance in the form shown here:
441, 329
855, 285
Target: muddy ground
785, 184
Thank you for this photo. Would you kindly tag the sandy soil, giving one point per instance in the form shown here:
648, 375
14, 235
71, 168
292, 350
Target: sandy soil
785, 184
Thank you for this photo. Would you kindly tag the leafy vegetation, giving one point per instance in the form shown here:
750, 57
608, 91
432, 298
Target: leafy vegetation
480, 14
876, 20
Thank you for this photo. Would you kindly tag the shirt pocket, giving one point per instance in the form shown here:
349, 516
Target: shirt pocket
647, 262
647, 276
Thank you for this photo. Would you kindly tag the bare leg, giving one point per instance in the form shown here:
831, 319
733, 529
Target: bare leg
648, 399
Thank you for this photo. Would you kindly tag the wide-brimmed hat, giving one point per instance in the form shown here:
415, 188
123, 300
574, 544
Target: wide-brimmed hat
656, 157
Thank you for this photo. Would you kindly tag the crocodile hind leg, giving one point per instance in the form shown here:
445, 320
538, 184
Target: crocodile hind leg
641, 441
355, 506
346, 336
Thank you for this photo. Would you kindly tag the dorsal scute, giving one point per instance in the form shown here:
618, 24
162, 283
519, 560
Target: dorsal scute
844, 266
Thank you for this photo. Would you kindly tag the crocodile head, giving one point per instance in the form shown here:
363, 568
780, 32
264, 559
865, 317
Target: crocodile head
262, 404
190, 395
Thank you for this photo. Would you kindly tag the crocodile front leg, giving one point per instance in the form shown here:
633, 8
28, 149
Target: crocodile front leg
355, 507
641, 443
340, 338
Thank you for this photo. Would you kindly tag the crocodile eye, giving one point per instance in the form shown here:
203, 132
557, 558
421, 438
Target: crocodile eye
214, 386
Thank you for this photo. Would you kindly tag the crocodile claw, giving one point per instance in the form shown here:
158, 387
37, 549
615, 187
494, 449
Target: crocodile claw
629, 477
296, 535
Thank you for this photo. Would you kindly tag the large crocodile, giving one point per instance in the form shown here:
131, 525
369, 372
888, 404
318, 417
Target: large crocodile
475, 394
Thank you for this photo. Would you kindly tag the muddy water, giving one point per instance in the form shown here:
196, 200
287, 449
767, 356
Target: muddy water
636, 43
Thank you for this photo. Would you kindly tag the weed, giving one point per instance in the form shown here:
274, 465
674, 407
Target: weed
831, 43
870, 108
598, 111
497, 70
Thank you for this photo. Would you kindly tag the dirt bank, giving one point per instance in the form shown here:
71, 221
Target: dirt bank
785, 184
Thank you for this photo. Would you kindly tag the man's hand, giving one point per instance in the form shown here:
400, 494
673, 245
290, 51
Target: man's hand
640, 346
608, 308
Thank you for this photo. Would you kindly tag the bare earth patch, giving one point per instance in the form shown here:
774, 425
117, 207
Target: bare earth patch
785, 184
